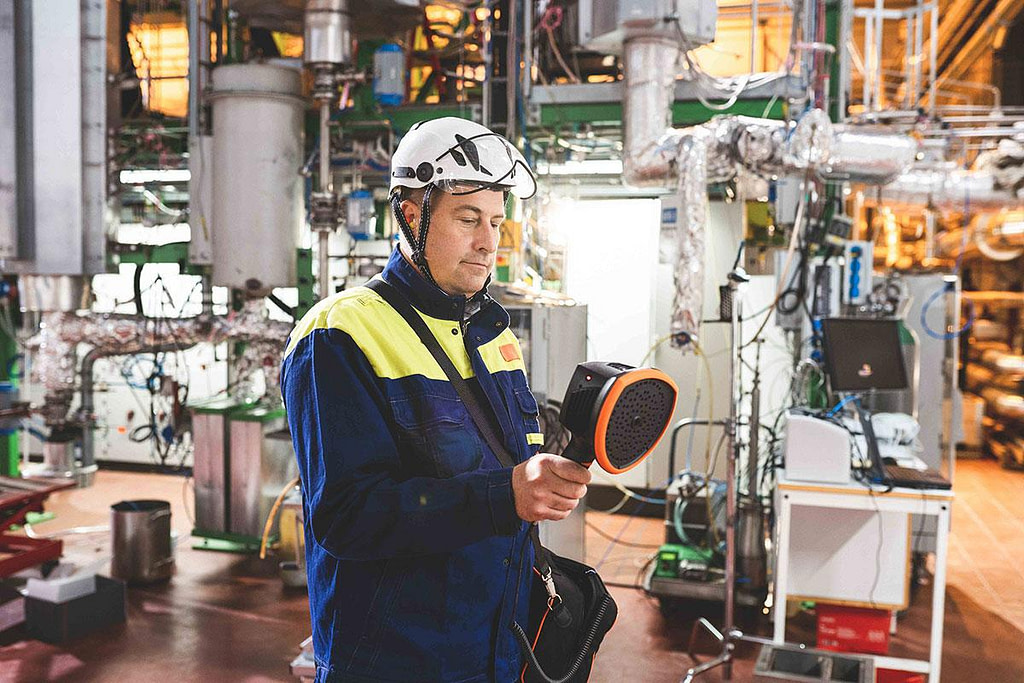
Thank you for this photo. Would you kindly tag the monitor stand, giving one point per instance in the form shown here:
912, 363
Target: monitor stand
874, 468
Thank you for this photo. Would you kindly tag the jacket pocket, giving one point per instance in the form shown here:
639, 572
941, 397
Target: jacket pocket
378, 616
435, 429
530, 414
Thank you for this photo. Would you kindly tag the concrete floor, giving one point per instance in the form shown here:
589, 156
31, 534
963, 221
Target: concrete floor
228, 618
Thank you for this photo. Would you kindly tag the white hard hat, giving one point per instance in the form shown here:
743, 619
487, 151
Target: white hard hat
459, 157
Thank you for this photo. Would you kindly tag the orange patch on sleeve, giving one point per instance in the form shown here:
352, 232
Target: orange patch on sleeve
509, 352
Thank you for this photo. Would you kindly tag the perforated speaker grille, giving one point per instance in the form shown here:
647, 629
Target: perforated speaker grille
637, 420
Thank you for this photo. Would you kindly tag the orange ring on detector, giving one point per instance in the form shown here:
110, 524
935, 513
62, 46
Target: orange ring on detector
620, 383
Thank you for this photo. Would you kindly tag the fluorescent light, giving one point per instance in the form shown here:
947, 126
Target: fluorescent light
587, 167
155, 176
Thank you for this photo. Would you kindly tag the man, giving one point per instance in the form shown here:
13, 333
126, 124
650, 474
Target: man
417, 546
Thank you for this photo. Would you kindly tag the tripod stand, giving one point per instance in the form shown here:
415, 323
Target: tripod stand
729, 635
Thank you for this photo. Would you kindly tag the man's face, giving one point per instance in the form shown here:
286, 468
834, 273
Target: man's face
462, 238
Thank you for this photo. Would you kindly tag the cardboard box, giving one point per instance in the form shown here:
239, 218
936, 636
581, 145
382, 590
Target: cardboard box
62, 589
57, 622
12, 607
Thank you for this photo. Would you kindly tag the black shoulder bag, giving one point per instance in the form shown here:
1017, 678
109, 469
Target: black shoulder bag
570, 607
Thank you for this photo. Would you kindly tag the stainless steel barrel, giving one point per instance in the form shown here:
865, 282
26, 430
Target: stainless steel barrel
141, 541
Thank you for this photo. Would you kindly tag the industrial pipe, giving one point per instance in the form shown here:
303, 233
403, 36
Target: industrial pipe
943, 186
655, 154
999, 237
60, 333
85, 412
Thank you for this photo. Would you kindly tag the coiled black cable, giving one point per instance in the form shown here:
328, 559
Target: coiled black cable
588, 643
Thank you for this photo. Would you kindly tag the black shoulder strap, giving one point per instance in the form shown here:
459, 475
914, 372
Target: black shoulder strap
476, 411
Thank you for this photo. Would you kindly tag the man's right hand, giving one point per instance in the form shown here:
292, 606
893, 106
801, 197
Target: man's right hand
548, 487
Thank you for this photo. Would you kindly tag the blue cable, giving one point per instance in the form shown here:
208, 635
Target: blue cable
948, 287
837, 407
971, 316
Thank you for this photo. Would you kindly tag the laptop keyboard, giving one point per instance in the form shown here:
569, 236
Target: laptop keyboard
916, 479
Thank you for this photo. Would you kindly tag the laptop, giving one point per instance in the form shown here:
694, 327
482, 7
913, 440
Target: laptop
864, 354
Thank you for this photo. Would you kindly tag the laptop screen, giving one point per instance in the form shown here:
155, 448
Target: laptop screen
863, 354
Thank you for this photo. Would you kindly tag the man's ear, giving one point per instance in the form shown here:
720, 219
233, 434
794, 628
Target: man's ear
411, 211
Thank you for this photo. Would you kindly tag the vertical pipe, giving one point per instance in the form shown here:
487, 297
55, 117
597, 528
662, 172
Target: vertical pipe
843, 42
323, 257
807, 64
730, 474
879, 35
193, 68
528, 50
753, 33
908, 63
207, 288
512, 71
198, 65
485, 110
820, 75
918, 42
933, 43
753, 441
949, 371
86, 410
325, 146
869, 27
324, 263
94, 135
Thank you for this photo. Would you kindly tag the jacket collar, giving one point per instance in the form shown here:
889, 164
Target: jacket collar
427, 297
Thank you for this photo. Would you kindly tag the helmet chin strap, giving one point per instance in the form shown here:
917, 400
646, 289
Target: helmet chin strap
419, 246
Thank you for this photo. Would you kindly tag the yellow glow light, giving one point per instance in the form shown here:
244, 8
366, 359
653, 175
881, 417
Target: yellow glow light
159, 50
288, 44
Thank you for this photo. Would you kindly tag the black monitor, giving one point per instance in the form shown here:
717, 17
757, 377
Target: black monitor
863, 354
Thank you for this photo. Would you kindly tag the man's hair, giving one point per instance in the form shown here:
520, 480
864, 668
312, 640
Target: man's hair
414, 195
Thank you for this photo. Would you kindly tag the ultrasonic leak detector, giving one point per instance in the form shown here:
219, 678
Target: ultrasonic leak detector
616, 414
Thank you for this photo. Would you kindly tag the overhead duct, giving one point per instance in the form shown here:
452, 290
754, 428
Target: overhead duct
655, 154
649, 154
861, 156
944, 186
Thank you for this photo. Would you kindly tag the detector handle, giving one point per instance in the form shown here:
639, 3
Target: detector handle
579, 451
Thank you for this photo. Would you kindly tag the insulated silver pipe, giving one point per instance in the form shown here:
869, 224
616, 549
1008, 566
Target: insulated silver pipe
649, 65
868, 156
944, 187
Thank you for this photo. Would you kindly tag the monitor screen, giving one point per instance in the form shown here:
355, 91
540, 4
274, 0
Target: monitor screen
863, 354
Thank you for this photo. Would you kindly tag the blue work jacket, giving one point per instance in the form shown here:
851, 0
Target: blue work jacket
417, 562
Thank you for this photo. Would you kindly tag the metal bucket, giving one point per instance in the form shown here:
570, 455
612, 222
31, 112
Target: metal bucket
141, 540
